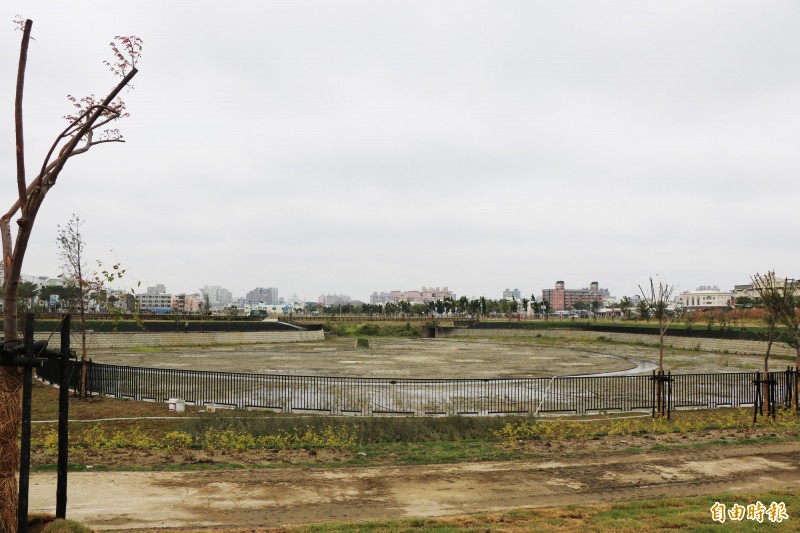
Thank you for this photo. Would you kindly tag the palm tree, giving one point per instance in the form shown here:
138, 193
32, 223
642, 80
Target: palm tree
26, 294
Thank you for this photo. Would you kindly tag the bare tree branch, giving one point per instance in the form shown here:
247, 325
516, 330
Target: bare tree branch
20, 152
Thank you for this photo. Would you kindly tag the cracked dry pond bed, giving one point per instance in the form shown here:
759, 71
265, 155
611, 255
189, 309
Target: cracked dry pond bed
430, 358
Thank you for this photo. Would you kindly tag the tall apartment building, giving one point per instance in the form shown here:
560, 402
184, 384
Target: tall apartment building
427, 294
380, 298
334, 299
217, 296
508, 294
562, 299
262, 295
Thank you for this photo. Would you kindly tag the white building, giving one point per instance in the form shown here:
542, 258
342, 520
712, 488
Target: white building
749, 291
155, 302
706, 297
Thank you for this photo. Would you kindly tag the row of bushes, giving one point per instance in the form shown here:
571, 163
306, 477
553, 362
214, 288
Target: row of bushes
513, 432
368, 329
240, 434
211, 439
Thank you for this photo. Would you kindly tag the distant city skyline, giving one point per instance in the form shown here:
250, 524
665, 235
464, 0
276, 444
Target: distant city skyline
351, 147
221, 295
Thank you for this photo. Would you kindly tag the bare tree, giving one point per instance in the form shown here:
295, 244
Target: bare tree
85, 129
656, 300
776, 300
71, 251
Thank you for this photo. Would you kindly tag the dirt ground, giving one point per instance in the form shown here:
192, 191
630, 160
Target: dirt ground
570, 472
432, 358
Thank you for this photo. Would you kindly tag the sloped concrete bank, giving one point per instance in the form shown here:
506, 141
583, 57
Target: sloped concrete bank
96, 340
687, 343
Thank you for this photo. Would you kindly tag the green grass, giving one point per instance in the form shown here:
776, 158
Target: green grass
146, 349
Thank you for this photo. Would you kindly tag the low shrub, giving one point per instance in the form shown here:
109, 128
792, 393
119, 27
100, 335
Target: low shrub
513, 432
368, 329
66, 526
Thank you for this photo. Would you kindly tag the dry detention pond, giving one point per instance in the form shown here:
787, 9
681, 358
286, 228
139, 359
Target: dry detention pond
431, 358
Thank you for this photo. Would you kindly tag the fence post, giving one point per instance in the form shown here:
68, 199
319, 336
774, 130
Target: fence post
796, 375
654, 393
758, 405
63, 420
669, 394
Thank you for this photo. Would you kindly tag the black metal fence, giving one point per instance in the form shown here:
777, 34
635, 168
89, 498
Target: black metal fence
383, 396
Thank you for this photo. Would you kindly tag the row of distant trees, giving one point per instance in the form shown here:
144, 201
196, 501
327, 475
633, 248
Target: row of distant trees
461, 307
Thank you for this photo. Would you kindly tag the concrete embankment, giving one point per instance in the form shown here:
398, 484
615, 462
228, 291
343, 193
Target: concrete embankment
734, 346
97, 340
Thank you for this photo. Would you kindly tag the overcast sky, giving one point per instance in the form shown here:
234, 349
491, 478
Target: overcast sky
347, 147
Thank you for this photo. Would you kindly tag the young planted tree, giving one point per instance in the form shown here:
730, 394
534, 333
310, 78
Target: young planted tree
71, 251
87, 127
776, 301
656, 301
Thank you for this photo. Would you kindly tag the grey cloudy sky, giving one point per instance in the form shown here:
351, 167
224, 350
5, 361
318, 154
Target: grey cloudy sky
352, 146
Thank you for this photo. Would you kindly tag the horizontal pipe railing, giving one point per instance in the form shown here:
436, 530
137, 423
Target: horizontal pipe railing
408, 396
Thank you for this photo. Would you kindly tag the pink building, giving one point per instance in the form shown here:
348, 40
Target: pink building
562, 299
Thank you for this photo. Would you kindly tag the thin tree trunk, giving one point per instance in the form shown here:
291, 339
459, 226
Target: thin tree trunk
660, 383
765, 385
83, 330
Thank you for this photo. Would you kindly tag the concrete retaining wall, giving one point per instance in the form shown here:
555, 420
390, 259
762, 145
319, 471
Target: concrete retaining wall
688, 343
125, 340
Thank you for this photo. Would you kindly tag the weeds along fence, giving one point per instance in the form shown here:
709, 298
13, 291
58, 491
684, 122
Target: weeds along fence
421, 397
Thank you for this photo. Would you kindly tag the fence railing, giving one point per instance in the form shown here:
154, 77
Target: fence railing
384, 396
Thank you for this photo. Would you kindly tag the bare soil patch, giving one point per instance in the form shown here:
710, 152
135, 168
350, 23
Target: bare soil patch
568, 472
